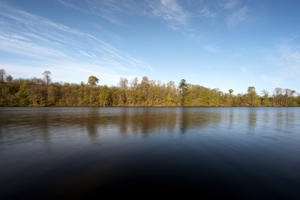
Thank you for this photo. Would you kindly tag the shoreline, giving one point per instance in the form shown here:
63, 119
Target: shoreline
149, 106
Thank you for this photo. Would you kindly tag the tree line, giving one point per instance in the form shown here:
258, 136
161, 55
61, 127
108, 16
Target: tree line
44, 92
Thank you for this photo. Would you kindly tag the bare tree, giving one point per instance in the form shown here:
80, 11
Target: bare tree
2, 75
123, 83
47, 77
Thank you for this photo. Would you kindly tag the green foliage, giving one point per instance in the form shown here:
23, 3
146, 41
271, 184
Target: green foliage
183, 88
93, 80
43, 92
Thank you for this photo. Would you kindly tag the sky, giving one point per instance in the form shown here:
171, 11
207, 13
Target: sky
214, 43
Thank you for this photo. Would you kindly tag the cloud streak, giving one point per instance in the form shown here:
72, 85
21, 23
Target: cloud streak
170, 11
206, 12
50, 43
176, 15
289, 59
237, 17
284, 62
230, 4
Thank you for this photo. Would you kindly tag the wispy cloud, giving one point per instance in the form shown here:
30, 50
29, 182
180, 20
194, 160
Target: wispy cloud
212, 48
237, 17
52, 43
206, 12
284, 62
70, 5
286, 58
289, 59
185, 17
170, 11
274, 81
174, 13
110, 10
229, 4
20, 45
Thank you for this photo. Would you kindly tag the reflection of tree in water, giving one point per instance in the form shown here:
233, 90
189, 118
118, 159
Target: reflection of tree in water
289, 118
266, 118
134, 121
171, 120
91, 126
183, 120
197, 118
279, 120
146, 121
32, 123
123, 122
285, 118
44, 127
231, 118
252, 119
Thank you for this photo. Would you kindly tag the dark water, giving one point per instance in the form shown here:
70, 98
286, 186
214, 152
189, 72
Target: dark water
211, 152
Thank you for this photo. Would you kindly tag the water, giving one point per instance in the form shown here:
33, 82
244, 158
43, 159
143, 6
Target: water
214, 152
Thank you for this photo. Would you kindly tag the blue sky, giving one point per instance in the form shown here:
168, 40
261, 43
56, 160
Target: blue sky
218, 44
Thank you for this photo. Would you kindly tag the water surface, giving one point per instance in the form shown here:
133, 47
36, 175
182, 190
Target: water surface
215, 152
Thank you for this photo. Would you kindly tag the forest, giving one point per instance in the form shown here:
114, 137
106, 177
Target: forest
43, 92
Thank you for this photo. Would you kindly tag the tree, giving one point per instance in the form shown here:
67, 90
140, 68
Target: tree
278, 96
122, 94
288, 96
230, 102
123, 83
252, 95
145, 89
2, 75
9, 78
47, 79
93, 80
133, 91
43, 92
183, 87
265, 98
47, 76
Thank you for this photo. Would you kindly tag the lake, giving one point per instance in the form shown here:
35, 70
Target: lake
212, 152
